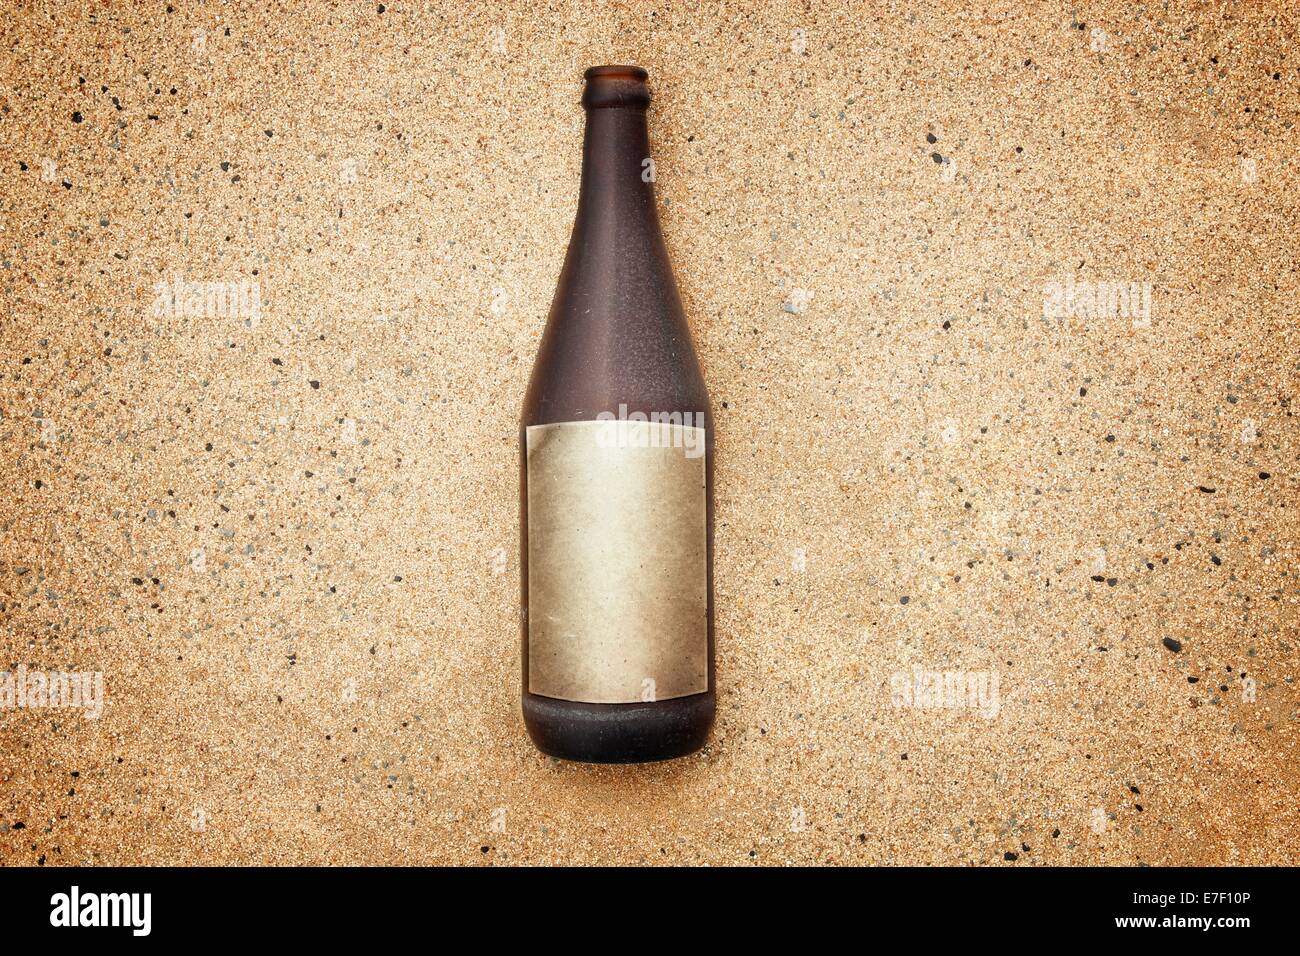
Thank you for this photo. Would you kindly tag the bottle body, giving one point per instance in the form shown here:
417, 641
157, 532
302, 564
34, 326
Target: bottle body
616, 456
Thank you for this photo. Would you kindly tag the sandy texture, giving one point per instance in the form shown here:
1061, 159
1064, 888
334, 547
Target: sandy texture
286, 534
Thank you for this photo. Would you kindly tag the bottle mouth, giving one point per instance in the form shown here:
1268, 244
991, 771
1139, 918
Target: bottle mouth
626, 72
614, 86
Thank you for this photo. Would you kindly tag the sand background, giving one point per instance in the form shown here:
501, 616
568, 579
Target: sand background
290, 544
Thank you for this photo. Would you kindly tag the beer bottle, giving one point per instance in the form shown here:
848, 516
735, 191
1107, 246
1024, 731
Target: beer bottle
616, 444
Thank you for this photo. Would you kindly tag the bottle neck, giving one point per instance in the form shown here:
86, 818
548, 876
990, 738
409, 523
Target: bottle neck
617, 172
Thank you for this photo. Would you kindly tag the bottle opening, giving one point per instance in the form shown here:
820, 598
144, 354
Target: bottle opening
627, 72
612, 86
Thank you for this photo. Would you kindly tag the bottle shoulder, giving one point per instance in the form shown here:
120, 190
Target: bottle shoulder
593, 363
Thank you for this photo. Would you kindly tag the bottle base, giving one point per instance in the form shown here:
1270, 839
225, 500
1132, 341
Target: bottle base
619, 733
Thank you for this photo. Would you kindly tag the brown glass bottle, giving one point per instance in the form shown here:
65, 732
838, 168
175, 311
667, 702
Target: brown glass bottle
616, 441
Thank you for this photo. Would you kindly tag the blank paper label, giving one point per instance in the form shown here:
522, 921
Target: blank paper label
617, 561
